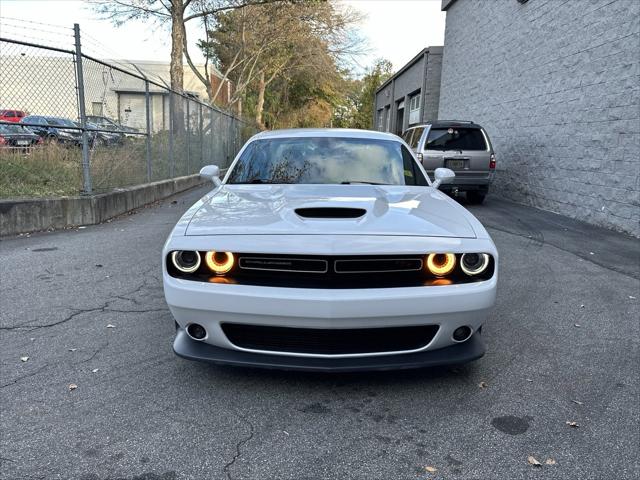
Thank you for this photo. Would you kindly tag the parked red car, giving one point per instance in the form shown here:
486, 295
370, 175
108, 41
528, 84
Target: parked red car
12, 115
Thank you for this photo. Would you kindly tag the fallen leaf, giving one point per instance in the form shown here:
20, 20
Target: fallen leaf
577, 325
285, 432
577, 401
431, 469
550, 461
81, 228
632, 297
591, 253
582, 306
72, 386
32, 339
95, 370
533, 461
529, 380
72, 349
572, 424
24, 359
111, 326
483, 385
99, 265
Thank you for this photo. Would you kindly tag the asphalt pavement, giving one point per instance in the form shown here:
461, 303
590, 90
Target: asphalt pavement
91, 390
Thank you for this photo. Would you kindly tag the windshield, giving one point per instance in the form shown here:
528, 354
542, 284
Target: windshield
455, 139
337, 160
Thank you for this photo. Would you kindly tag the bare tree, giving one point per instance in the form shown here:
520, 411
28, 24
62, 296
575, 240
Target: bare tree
174, 12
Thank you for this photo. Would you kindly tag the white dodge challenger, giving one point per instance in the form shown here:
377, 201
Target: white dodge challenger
329, 250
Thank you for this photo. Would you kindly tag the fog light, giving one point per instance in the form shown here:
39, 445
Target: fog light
441, 264
474, 263
461, 334
186, 261
219, 262
196, 331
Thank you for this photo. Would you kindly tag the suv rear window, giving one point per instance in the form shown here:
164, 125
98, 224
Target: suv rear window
455, 139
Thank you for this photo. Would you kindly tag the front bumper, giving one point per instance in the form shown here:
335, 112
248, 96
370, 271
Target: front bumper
456, 354
211, 305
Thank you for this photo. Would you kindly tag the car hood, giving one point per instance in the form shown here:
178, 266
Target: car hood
381, 210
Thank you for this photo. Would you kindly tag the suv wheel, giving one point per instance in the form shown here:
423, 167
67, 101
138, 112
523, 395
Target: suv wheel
475, 197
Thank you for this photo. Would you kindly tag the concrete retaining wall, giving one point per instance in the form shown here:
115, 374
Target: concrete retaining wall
32, 215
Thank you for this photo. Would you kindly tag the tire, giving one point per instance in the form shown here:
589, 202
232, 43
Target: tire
475, 197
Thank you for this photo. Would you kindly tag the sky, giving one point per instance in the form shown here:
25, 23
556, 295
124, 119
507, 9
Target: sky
393, 29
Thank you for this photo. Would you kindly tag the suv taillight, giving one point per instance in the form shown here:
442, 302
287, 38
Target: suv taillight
2, 141
492, 161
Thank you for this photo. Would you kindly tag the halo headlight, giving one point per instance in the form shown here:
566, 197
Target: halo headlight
441, 264
474, 263
219, 262
186, 261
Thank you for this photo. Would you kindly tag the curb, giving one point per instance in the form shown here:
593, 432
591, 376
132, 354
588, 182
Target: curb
37, 214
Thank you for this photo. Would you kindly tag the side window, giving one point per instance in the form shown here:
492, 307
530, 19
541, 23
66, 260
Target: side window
417, 134
406, 136
412, 174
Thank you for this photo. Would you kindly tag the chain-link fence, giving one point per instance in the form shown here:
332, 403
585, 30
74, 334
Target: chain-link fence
71, 123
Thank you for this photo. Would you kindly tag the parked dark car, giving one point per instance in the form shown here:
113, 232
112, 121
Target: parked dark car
111, 125
17, 137
55, 129
13, 116
101, 138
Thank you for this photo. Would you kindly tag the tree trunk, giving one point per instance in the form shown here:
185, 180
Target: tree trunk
260, 103
176, 72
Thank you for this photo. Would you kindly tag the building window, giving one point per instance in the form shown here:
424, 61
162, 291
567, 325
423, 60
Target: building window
96, 108
388, 113
414, 109
380, 120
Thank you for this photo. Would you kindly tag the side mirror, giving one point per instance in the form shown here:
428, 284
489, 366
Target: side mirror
442, 176
212, 172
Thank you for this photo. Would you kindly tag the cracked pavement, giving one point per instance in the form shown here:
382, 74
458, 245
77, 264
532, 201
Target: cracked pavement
562, 347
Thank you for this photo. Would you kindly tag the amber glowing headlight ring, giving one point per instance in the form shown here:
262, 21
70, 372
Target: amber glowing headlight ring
441, 268
484, 263
219, 268
181, 268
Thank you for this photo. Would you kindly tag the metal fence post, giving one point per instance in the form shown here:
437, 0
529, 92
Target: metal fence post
188, 139
86, 165
212, 151
201, 135
171, 159
147, 99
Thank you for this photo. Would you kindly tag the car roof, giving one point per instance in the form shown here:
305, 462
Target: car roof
448, 123
325, 132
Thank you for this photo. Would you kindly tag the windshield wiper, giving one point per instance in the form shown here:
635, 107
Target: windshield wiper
256, 181
361, 181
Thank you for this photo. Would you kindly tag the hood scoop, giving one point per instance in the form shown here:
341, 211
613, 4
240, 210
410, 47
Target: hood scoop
330, 212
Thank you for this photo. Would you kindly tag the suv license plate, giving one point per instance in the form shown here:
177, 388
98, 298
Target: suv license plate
455, 164
22, 142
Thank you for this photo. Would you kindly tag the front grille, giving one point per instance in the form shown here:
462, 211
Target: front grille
329, 341
349, 271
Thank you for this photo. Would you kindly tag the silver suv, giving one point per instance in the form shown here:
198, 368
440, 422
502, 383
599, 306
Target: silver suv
462, 146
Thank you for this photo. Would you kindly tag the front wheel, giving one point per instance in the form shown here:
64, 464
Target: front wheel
475, 198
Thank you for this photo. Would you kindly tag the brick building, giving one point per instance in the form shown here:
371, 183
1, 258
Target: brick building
557, 87
411, 95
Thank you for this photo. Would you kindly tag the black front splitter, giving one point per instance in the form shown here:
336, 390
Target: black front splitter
460, 353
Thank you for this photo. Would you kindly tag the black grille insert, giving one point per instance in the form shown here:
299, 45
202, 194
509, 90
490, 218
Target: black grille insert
329, 341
